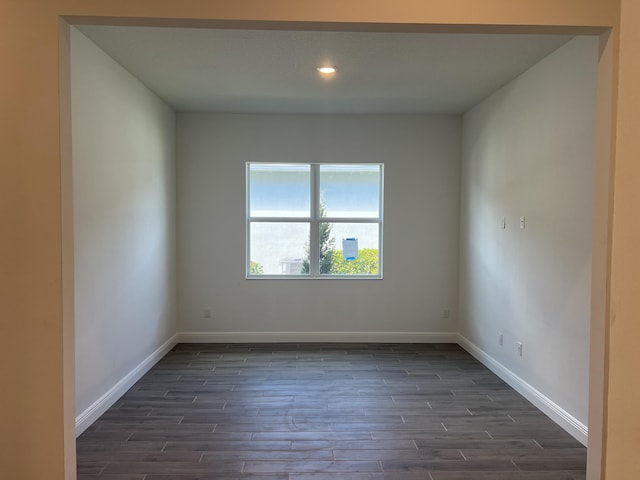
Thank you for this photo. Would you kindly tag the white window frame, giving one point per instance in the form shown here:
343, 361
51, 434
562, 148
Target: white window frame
314, 222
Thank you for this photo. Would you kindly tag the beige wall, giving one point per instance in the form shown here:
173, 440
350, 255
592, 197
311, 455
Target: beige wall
622, 432
36, 326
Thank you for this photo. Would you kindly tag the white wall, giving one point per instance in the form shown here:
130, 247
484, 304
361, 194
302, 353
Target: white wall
421, 156
529, 150
124, 220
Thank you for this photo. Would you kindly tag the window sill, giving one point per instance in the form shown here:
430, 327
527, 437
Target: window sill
308, 277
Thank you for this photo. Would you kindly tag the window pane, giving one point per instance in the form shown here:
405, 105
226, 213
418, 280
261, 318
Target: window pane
350, 191
279, 190
349, 248
277, 248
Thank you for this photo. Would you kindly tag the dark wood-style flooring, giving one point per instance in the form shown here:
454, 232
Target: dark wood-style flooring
325, 412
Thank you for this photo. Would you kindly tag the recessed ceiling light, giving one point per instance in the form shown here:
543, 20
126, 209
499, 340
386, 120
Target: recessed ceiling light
326, 70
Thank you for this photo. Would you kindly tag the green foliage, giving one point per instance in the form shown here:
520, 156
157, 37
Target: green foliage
365, 264
256, 268
327, 248
332, 261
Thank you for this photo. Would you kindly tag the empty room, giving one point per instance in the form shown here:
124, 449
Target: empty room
381, 272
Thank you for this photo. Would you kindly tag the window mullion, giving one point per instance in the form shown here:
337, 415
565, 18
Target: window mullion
380, 220
314, 227
247, 236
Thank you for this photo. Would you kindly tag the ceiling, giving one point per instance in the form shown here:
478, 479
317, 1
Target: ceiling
273, 71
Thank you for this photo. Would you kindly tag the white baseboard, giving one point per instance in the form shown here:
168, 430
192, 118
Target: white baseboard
307, 337
563, 418
91, 414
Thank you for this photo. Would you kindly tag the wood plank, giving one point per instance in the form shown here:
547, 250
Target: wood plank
325, 412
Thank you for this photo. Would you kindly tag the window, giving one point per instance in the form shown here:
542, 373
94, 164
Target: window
314, 220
